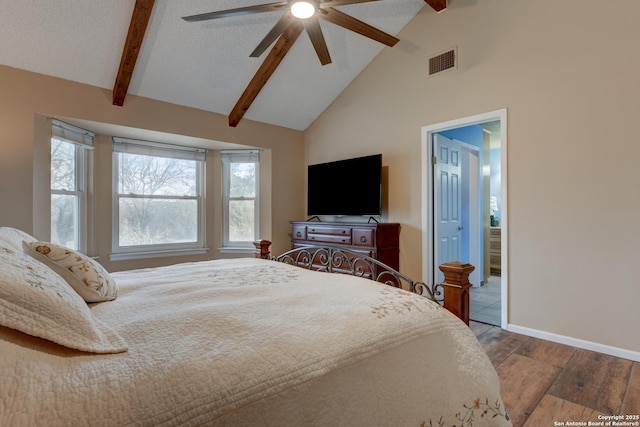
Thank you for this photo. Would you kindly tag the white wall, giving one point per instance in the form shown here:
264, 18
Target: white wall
567, 72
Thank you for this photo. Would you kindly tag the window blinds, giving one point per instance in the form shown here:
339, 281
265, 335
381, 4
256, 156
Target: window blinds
72, 134
240, 156
146, 148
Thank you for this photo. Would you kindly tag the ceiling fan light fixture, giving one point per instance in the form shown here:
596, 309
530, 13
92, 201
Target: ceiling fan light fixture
302, 9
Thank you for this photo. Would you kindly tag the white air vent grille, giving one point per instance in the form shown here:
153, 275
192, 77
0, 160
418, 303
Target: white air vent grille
443, 61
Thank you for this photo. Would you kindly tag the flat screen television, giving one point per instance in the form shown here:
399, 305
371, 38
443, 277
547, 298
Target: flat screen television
345, 187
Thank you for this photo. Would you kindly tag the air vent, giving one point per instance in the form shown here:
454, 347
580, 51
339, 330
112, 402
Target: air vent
443, 61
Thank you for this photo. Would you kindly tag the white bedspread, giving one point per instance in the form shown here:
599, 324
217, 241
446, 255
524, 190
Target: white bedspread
251, 342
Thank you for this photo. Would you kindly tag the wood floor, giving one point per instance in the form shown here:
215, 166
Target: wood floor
546, 384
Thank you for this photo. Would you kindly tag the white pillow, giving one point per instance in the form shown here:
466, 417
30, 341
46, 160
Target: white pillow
14, 237
89, 279
37, 301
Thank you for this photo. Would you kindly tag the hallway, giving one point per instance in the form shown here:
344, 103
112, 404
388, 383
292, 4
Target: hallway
485, 303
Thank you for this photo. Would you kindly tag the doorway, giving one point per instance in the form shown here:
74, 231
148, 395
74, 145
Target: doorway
459, 223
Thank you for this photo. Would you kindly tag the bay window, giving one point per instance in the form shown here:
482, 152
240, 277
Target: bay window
158, 200
240, 170
69, 165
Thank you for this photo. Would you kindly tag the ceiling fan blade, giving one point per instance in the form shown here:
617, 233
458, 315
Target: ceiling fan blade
269, 7
355, 25
275, 32
276, 55
312, 25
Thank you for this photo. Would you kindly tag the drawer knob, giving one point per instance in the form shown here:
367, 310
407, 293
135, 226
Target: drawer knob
299, 234
363, 239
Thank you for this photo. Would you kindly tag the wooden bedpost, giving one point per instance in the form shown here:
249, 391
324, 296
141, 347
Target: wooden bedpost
456, 288
262, 248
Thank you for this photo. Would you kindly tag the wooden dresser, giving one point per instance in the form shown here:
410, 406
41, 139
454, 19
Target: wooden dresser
377, 240
495, 248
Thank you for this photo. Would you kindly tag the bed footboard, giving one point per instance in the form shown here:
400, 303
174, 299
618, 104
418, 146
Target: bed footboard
452, 293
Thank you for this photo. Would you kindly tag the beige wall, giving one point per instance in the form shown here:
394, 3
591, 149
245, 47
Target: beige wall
28, 99
567, 72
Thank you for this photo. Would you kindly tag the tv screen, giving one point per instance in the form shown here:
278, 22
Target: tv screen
345, 187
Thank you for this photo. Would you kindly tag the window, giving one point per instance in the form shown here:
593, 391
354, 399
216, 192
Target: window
69, 184
240, 179
158, 202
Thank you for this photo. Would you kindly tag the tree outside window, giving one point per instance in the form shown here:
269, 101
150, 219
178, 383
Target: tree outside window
67, 193
159, 198
240, 170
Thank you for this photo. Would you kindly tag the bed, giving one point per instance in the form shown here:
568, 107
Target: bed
242, 342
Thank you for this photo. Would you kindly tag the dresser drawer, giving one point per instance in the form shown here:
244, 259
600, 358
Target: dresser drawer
329, 238
338, 231
299, 232
363, 237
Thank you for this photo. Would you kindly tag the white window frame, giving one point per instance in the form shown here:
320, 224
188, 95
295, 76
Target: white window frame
238, 156
124, 145
82, 140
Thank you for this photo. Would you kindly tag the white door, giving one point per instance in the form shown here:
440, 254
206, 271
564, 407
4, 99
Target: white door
448, 199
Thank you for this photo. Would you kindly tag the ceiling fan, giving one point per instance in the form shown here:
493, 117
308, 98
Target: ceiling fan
298, 15
307, 12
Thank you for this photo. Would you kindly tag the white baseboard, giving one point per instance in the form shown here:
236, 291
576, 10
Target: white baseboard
575, 342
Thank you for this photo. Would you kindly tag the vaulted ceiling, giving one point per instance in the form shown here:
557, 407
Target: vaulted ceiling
145, 48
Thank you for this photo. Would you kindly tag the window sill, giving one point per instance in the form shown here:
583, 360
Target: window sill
157, 254
236, 250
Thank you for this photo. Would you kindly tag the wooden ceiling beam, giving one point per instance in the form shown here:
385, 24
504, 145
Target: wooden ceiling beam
137, 28
437, 5
271, 62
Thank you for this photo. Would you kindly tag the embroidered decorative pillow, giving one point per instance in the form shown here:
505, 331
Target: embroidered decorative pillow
14, 237
37, 301
89, 279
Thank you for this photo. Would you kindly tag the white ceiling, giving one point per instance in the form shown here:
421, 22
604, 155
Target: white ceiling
205, 65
